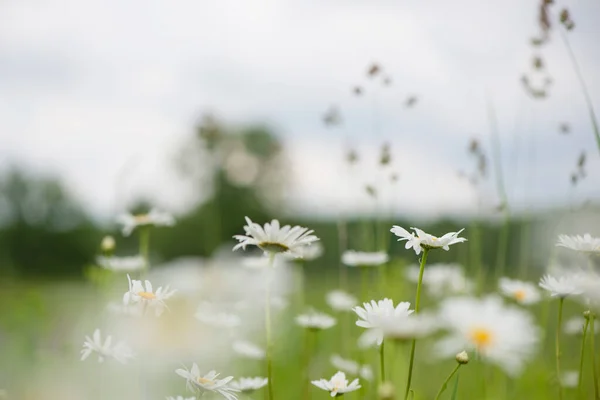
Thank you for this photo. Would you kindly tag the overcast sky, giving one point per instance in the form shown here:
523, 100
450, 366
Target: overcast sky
92, 88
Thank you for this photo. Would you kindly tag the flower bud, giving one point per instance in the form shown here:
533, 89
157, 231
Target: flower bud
462, 357
387, 391
587, 314
108, 244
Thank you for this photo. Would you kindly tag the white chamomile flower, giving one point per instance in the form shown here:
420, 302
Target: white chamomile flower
120, 352
138, 294
522, 292
372, 315
122, 264
248, 350
562, 286
315, 321
363, 259
441, 279
423, 240
339, 300
275, 239
502, 335
153, 218
249, 385
569, 379
201, 384
337, 385
181, 398
584, 244
351, 367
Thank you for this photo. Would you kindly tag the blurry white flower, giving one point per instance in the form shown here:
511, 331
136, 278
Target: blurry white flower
181, 398
363, 259
588, 283
129, 310
249, 385
424, 240
569, 379
153, 218
120, 352
208, 314
574, 326
275, 239
315, 320
107, 244
145, 296
122, 264
311, 252
405, 327
248, 350
340, 300
372, 315
199, 384
242, 168
503, 335
351, 367
338, 385
441, 279
522, 292
584, 244
261, 262
561, 286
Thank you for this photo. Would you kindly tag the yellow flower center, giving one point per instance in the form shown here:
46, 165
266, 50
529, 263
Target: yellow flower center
204, 381
146, 295
141, 219
520, 295
482, 337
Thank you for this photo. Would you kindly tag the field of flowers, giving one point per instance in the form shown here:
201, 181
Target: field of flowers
249, 323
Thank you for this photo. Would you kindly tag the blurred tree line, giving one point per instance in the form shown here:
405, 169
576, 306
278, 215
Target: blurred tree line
46, 233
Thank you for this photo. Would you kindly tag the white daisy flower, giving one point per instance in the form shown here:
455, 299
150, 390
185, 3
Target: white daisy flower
209, 315
522, 292
275, 239
340, 300
248, 350
423, 240
561, 286
404, 327
372, 315
503, 335
249, 385
363, 259
315, 321
138, 294
584, 244
441, 279
120, 352
351, 367
337, 385
122, 264
570, 379
153, 218
201, 384
181, 398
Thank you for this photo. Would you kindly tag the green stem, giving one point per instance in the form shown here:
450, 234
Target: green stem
414, 342
584, 90
581, 356
299, 279
382, 361
558, 329
445, 384
268, 326
308, 349
364, 283
593, 351
144, 234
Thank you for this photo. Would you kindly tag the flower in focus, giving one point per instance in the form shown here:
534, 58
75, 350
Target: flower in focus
337, 385
145, 296
503, 335
122, 264
315, 321
584, 244
153, 218
120, 352
249, 385
522, 292
441, 279
374, 314
199, 384
363, 259
248, 350
569, 379
340, 300
275, 239
423, 240
561, 286
351, 367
